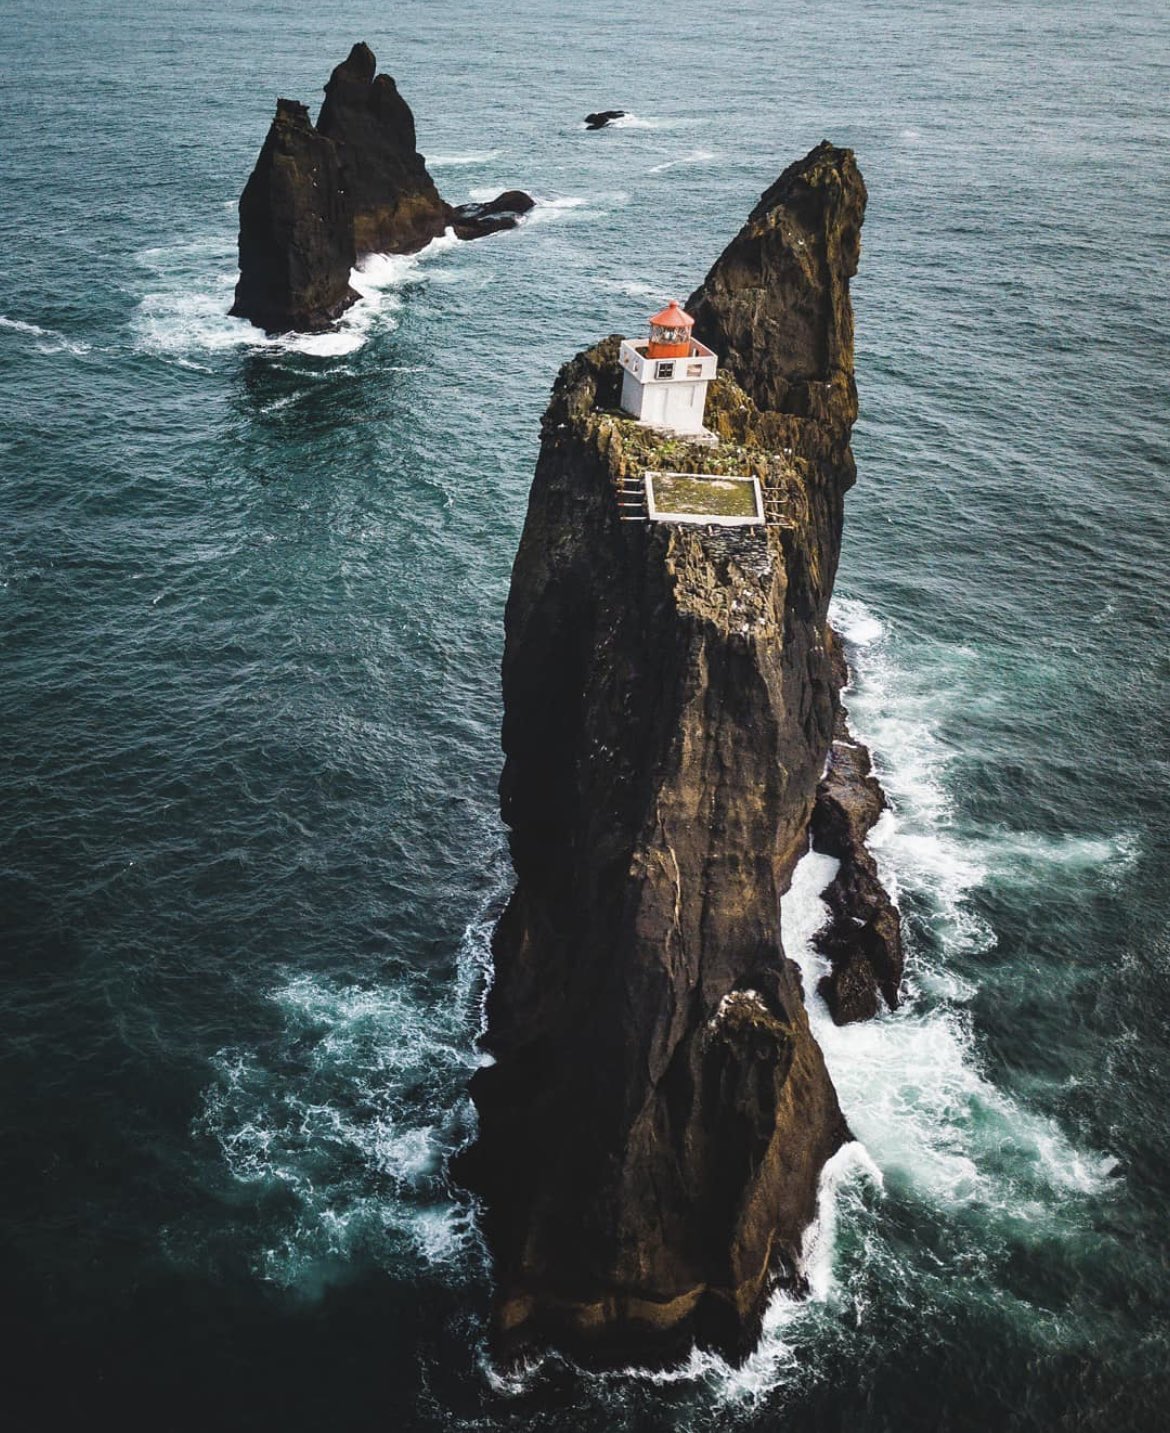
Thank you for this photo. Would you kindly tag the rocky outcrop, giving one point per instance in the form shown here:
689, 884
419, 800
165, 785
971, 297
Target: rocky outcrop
396, 207
656, 1114
296, 230
474, 221
321, 198
602, 117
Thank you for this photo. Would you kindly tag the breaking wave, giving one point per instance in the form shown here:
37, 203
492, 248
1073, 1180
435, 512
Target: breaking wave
572, 207
637, 121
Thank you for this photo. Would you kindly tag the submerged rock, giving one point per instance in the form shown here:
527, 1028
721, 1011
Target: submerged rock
657, 1114
474, 221
600, 118
296, 230
396, 207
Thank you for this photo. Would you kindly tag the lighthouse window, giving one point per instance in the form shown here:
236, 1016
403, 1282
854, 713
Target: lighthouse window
664, 370
694, 370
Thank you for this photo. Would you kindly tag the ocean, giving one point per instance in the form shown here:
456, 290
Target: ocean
251, 619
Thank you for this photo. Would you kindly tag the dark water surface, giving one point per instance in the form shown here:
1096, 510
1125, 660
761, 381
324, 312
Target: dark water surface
251, 601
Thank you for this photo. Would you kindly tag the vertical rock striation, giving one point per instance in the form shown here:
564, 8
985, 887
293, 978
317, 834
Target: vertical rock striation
776, 307
656, 1115
296, 229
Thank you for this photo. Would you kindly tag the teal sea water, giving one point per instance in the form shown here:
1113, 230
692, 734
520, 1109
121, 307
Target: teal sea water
251, 606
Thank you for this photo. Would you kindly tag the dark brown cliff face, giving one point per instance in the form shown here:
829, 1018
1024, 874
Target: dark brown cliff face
296, 230
396, 207
776, 308
654, 1124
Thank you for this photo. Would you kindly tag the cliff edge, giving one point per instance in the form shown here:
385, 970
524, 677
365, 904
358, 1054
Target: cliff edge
656, 1113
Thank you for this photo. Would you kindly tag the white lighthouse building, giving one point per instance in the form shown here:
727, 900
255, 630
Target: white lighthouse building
665, 377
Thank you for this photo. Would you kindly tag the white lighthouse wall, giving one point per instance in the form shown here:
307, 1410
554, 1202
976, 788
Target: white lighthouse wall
654, 404
632, 392
683, 406
665, 405
699, 363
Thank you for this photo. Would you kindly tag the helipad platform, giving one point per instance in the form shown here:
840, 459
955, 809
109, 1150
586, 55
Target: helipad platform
720, 499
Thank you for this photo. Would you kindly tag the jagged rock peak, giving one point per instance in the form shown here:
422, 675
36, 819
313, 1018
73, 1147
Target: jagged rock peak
775, 305
396, 207
297, 244
360, 66
293, 114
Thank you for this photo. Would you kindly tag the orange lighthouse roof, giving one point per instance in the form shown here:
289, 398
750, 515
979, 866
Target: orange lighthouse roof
672, 316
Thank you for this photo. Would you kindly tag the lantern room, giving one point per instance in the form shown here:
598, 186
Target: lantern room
665, 377
670, 333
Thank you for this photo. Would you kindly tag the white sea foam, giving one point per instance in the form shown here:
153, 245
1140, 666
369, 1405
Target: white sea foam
184, 316
915, 843
856, 623
353, 1112
637, 121
457, 161
911, 1083
913, 1091
778, 1350
570, 206
46, 340
696, 156
561, 207
1027, 858
632, 288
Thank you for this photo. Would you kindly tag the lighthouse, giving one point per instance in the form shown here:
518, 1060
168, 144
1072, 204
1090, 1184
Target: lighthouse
665, 377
